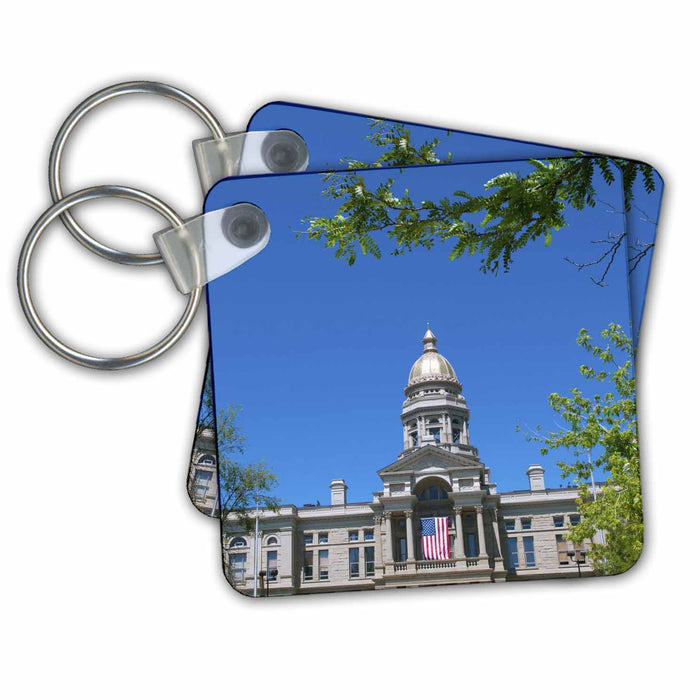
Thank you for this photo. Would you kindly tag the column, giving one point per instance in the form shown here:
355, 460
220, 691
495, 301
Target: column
480, 531
389, 539
378, 558
459, 530
496, 534
409, 535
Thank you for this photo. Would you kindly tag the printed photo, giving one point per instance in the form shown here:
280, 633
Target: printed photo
427, 377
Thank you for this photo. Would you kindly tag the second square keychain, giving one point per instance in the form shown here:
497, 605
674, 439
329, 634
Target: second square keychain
339, 139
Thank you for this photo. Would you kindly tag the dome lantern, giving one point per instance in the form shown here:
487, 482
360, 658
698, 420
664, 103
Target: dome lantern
431, 367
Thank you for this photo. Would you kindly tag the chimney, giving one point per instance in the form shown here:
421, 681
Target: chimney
535, 473
338, 489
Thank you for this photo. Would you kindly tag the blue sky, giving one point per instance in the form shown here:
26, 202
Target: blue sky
332, 135
318, 353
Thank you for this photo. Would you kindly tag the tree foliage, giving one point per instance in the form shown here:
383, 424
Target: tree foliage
242, 486
514, 210
601, 433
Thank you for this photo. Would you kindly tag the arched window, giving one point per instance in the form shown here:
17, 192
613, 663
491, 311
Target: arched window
432, 493
207, 459
238, 542
271, 540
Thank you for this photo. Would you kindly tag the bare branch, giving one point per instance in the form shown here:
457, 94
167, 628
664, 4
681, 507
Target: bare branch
645, 218
614, 241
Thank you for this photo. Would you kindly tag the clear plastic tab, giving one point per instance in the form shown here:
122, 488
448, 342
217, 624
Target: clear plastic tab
249, 153
213, 244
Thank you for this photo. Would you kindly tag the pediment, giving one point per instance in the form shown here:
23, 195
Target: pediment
429, 460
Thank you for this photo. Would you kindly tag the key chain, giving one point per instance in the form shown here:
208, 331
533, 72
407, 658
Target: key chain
62, 207
217, 157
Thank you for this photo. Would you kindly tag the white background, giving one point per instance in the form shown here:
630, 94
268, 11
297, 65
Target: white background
111, 581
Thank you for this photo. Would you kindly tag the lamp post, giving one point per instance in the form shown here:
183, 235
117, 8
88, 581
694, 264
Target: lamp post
256, 546
263, 575
579, 557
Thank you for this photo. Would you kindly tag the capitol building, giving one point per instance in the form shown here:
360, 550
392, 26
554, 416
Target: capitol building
376, 544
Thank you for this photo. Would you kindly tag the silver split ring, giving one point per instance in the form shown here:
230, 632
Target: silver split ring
108, 93
50, 340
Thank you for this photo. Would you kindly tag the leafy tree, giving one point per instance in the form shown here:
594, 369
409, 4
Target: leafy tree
243, 486
601, 433
515, 209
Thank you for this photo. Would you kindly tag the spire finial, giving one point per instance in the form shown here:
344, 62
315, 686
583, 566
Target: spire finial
429, 341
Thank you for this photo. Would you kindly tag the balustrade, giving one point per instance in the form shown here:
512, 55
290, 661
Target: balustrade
436, 564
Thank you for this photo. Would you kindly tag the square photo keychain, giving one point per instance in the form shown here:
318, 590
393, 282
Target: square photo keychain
316, 363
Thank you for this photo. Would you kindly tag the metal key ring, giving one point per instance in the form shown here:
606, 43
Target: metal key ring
35, 321
108, 93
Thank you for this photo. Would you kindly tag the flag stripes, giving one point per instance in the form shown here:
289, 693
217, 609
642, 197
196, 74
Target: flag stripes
434, 538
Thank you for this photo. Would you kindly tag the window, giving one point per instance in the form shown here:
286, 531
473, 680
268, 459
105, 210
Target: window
202, 480
308, 565
272, 565
308, 539
272, 540
558, 521
368, 535
510, 525
513, 553
529, 549
471, 545
414, 439
435, 434
237, 567
207, 459
433, 493
574, 519
323, 564
237, 542
402, 550
369, 561
354, 555
354, 535
323, 538
526, 523
562, 548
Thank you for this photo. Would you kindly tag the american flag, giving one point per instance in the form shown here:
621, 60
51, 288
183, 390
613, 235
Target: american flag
434, 538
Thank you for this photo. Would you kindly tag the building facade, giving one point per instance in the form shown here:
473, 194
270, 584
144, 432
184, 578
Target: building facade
376, 544
202, 480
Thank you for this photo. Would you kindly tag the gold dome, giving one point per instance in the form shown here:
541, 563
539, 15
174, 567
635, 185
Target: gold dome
431, 365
